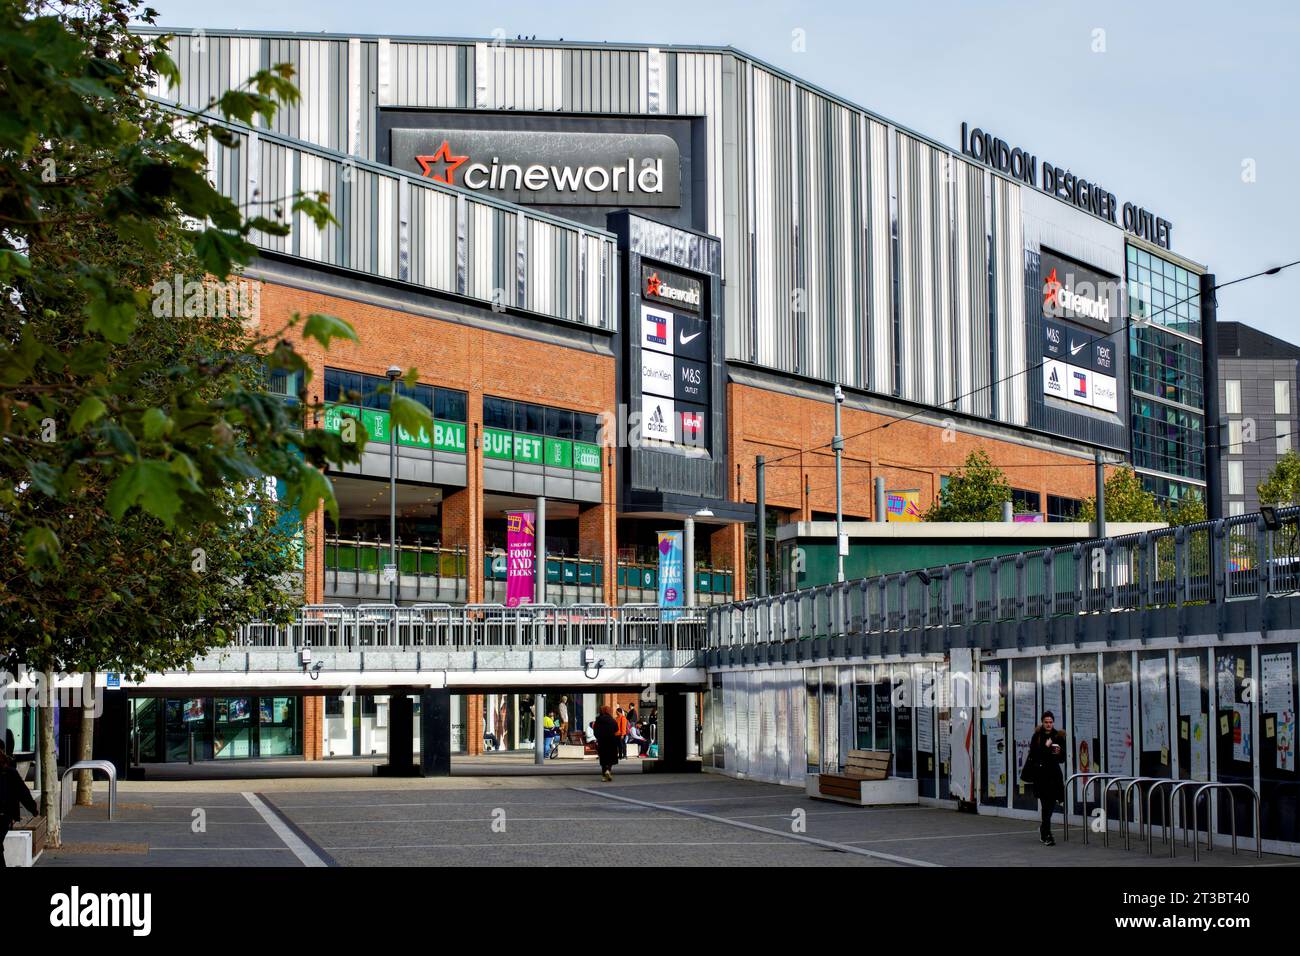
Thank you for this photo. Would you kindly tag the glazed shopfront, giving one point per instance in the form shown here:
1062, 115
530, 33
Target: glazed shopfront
178, 729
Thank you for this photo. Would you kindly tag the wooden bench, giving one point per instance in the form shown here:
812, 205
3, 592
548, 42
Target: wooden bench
25, 842
864, 782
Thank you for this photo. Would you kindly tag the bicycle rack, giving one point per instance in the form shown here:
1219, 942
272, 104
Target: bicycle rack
68, 794
1117, 781
1088, 779
1125, 802
1167, 829
1232, 814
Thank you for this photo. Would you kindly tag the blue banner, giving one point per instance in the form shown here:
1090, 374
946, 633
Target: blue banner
670, 573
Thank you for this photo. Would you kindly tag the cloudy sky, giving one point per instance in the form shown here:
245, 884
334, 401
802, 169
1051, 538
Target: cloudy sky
1186, 108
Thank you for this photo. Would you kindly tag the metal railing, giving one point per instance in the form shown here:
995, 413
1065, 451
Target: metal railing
480, 626
1211, 562
354, 568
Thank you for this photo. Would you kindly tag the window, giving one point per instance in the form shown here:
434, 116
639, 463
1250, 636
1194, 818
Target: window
1060, 508
586, 427
1236, 478
1232, 396
498, 413
1234, 438
1166, 366
559, 423
1024, 501
450, 405
1236, 508
1283, 436
529, 418
1167, 439
1282, 397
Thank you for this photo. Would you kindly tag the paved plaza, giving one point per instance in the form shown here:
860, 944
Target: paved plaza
502, 814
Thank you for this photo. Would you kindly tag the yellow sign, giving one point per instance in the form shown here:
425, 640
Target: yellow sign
903, 506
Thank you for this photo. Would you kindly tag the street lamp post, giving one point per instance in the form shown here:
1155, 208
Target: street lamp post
394, 373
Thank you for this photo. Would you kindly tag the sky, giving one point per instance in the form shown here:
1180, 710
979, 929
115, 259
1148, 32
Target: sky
1190, 109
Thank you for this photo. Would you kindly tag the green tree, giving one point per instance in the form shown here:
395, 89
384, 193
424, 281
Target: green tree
131, 442
1282, 486
1126, 500
974, 492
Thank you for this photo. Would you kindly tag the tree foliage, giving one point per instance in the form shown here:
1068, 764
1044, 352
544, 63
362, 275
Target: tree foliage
974, 492
1282, 486
133, 438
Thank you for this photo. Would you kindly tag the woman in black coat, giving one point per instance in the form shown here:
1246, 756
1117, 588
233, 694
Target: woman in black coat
606, 730
1043, 770
13, 793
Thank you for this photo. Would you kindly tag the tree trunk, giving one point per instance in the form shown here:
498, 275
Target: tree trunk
86, 742
50, 768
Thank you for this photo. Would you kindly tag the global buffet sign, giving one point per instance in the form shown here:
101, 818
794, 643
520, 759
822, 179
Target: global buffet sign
1018, 163
547, 168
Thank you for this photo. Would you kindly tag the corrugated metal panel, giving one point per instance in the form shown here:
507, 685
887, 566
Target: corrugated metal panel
1009, 291
881, 317
773, 222
386, 238
317, 174
973, 367
422, 75
433, 220
603, 81
515, 78
699, 91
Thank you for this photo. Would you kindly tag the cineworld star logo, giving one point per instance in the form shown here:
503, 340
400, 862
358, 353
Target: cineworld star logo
623, 177
657, 288
1061, 301
442, 155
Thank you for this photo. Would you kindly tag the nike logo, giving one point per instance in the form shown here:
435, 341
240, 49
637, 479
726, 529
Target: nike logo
1076, 349
684, 339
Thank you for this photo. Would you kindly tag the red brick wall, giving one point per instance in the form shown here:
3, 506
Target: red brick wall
313, 726
597, 538
907, 454
477, 361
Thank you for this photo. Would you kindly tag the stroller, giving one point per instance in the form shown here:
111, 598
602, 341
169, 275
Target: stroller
551, 744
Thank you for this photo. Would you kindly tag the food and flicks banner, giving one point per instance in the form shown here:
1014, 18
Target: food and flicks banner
521, 534
670, 572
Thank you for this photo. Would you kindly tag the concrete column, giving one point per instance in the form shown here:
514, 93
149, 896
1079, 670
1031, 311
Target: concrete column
435, 732
539, 737
882, 511
474, 723
401, 736
688, 563
539, 552
313, 726
692, 746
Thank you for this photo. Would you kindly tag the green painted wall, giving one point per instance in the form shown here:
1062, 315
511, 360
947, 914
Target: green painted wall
868, 560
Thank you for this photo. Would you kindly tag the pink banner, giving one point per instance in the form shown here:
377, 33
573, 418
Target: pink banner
520, 538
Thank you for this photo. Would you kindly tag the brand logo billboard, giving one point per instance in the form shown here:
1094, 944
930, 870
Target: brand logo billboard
1079, 389
656, 329
657, 373
1055, 375
547, 168
661, 286
692, 383
1075, 292
658, 418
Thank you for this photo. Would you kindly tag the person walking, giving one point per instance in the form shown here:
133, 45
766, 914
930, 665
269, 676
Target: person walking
13, 793
1043, 771
621, 719
605, 728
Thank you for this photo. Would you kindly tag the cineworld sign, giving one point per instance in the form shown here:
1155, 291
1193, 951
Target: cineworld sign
1020, 164
547, 168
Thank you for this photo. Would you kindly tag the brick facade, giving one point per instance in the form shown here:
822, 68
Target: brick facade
313, 726
909, 455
